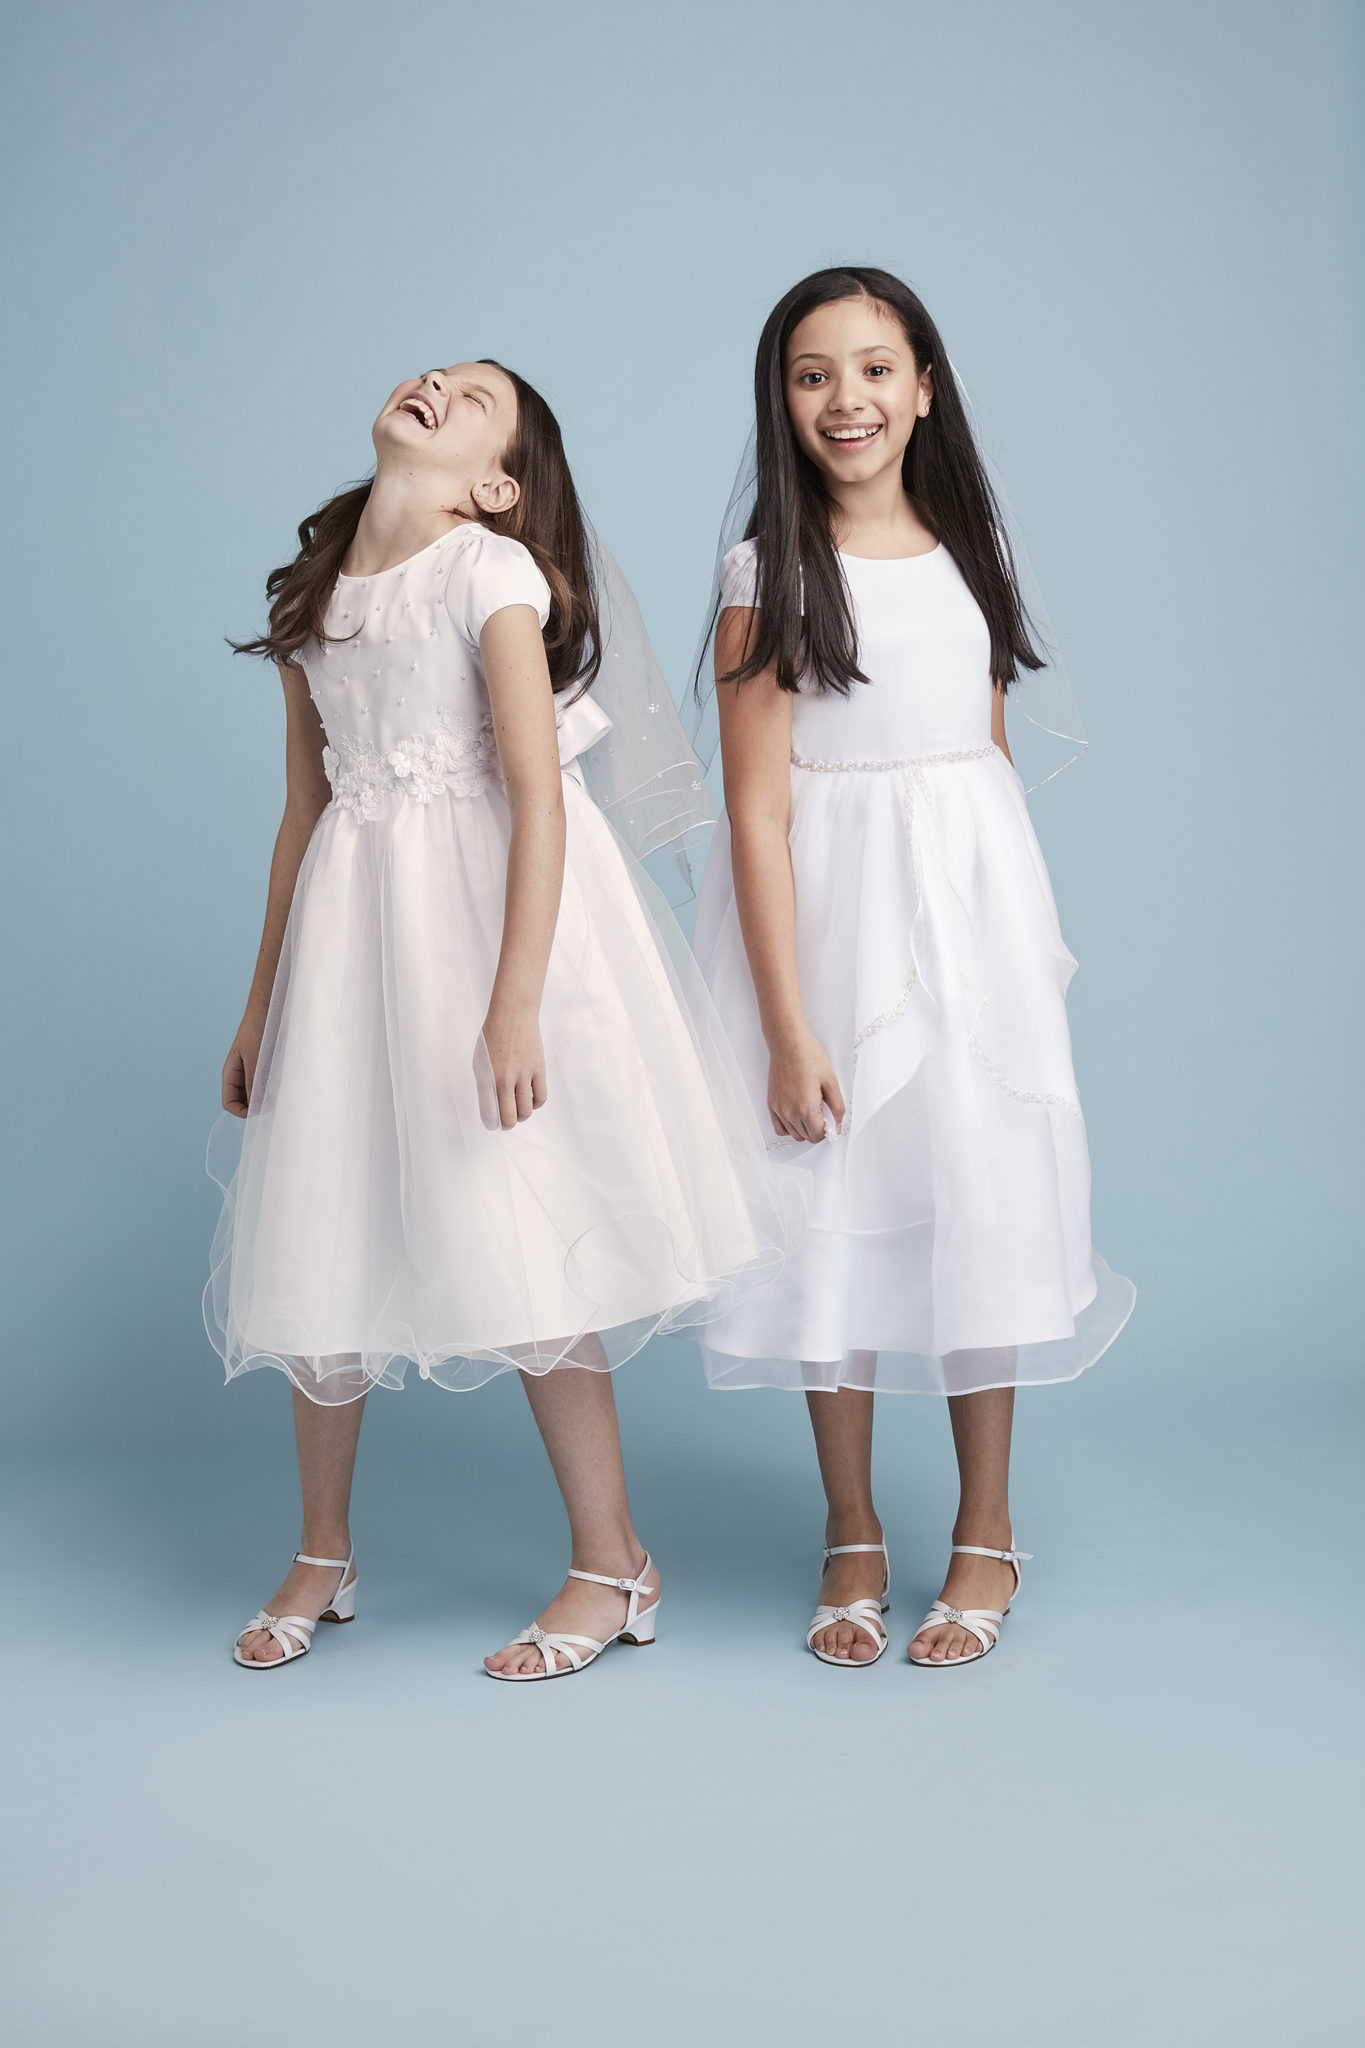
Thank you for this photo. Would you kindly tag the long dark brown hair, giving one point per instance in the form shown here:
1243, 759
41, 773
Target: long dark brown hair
547, 519
805, 623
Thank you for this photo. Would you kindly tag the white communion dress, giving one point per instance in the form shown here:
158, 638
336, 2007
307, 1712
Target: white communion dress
377, 1214
948, 1247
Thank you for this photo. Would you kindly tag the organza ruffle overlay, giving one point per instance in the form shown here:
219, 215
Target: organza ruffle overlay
949, 1240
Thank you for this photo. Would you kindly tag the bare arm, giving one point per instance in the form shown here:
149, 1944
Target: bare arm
755, 731
528, 747
998, 724
306, 798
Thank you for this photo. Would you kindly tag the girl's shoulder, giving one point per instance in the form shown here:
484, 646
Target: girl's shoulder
491, 571
739, 575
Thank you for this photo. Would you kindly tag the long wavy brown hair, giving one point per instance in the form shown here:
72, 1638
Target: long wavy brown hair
547, 519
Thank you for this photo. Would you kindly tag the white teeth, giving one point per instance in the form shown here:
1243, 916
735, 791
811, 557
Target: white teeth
850, 433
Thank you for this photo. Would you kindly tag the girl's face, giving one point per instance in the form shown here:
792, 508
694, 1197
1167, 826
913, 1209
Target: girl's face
854, 389
452, 428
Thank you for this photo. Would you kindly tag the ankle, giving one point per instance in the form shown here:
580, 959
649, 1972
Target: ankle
328, 1543
859, 1524
990, 1530
621, 1553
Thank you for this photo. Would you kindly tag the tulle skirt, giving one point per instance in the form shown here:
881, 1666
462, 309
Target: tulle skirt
948, 1247
371, 1217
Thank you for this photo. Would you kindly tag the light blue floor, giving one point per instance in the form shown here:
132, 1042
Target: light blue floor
1131, 1827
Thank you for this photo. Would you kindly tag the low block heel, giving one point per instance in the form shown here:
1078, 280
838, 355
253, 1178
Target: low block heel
641, 1633
343, 1607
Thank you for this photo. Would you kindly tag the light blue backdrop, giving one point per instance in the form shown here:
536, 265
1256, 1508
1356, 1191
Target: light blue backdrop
232, 229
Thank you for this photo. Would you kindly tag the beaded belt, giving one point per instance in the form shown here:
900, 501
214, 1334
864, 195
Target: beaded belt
897, 761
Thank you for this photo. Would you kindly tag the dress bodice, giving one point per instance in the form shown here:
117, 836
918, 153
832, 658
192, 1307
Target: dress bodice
399, 682
923, 644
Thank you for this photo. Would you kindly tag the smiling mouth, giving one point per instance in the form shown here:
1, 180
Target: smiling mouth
418, 409
850, 436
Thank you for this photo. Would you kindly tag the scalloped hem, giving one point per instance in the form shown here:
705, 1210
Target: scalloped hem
335, 1378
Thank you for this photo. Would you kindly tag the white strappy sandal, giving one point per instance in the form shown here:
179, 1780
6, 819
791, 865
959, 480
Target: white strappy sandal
981, 1622
637, 1629
864, 1614
294, 1632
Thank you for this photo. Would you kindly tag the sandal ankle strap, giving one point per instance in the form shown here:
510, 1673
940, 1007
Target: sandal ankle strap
621, 1585
1014, 1557
846, 1549
337, 1564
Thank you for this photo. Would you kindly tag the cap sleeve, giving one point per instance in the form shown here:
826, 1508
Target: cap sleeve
739, 576
493, 572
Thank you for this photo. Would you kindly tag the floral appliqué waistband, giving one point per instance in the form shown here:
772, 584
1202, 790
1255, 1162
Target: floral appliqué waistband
458, 759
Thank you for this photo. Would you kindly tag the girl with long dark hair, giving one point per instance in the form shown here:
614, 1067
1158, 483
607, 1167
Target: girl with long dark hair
882, 944
484, 1128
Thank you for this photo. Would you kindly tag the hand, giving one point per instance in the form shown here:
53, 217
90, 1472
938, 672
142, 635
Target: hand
509, 1066
800, 1083
239, 1068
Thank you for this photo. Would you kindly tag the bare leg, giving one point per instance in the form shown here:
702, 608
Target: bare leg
575, 1411
981, 1436
326, 1440
842, 1423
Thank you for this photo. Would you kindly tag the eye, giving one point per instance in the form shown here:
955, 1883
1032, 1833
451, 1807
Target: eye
879, 369
810, 378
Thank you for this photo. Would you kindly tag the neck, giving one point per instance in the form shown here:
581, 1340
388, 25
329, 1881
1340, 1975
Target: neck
877, 511
399, 520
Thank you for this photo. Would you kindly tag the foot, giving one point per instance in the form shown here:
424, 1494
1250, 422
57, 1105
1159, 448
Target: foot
844, 1580
580, 1609
971, 1582
309, 1590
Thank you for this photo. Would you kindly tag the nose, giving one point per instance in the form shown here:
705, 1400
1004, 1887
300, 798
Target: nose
848, 398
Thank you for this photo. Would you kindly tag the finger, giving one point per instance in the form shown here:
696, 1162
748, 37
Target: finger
524, 1097
813, 1124
507, 1105
833, 1095
540, 1093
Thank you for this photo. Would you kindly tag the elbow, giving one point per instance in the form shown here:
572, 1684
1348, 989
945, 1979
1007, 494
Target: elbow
542, 803
753, 828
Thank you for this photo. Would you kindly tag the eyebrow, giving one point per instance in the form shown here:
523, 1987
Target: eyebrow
882, 348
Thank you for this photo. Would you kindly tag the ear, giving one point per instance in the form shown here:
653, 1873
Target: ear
499, 494
926, 393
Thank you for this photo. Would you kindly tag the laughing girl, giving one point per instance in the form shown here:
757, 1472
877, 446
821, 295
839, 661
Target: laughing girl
481, 1129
